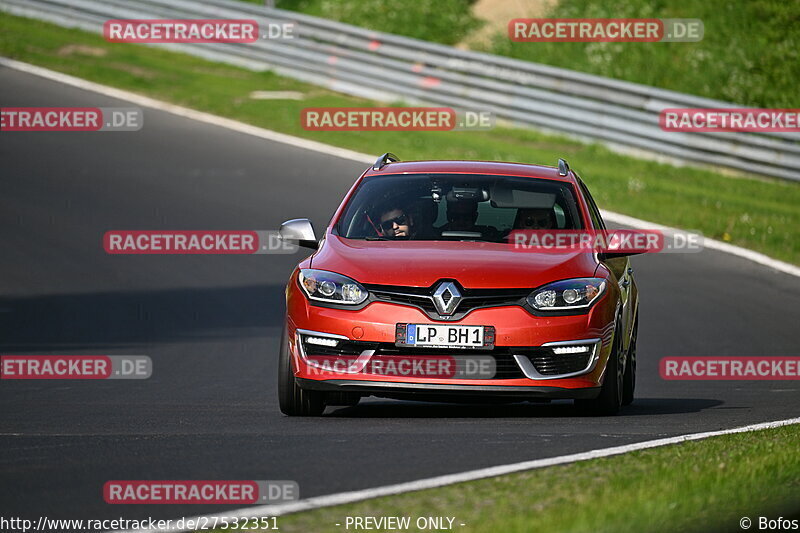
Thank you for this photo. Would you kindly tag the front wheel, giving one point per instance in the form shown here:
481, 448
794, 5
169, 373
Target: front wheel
629, 380
293, 400
609, 401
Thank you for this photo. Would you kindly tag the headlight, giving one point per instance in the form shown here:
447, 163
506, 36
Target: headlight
331, 287
568, 294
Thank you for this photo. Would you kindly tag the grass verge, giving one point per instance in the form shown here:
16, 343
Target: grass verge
748, 55
759, 214
443, 21
700, 486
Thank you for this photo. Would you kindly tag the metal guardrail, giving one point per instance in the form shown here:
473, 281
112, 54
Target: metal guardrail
388, 67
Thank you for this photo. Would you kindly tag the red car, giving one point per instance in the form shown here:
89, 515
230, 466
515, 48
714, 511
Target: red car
416, 292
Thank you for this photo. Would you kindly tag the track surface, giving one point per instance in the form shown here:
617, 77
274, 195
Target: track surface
211, 325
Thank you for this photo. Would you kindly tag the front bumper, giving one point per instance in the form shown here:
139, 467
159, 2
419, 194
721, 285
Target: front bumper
441, 391
519, 338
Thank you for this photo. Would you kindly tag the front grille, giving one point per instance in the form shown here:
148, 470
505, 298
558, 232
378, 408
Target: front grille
422, 298
422, 302
506, 366
548, 363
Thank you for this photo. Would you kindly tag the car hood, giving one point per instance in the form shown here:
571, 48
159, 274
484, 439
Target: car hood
473, 264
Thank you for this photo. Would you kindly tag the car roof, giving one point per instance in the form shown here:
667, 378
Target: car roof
471, 167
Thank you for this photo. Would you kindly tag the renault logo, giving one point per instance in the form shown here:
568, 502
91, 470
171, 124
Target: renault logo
446, 298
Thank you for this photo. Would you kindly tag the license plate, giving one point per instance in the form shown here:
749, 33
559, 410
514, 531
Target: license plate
444, 336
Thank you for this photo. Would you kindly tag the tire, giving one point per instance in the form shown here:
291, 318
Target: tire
293, 400
609, 401
629, 380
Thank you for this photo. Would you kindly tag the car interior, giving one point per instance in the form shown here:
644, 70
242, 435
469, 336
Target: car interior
480, 208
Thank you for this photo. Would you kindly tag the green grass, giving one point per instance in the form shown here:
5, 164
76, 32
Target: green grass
755, 213
443, 21
749, 54
700, 486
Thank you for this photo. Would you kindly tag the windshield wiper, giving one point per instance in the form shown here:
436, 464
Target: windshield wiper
377, 239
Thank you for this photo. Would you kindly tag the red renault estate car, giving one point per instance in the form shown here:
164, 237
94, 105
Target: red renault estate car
414, 292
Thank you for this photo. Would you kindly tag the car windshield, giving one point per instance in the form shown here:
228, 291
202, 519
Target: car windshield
469, 207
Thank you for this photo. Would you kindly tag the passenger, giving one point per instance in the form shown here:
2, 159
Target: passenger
535, 218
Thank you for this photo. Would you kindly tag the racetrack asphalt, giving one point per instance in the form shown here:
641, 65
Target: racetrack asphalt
211, 325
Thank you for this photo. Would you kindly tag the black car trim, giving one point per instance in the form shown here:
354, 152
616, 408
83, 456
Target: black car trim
383, 387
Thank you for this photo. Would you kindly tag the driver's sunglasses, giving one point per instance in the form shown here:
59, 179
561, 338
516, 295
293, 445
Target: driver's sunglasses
387, 225
537, 222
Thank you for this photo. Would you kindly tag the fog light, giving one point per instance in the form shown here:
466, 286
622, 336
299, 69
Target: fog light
321, 341
560, 350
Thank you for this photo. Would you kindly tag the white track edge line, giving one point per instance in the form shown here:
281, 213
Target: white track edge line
472, 475
200, 116
744, 253
343, 153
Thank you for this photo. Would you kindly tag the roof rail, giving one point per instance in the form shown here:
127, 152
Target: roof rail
388, 157
563, 167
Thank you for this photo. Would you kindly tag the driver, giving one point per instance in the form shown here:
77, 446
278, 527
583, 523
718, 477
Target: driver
395, 223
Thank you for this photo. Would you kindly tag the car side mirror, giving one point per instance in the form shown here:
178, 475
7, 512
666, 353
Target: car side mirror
299, 231
603, 256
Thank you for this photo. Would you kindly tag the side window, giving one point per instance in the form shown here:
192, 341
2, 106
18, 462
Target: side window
594, 212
